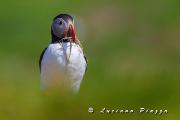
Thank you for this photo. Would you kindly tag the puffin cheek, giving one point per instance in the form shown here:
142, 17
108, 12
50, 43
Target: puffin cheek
64, 28
57, 30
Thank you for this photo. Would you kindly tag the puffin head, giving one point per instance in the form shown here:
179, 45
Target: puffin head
63, 27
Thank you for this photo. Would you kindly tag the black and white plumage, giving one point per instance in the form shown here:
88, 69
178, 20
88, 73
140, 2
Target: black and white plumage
62, 64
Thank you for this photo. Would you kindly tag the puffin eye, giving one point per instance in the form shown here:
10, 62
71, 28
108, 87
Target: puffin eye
60, 22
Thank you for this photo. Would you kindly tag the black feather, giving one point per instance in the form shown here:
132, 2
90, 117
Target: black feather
41, 57
86, 62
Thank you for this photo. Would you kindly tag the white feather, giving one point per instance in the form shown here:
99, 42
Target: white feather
56, 71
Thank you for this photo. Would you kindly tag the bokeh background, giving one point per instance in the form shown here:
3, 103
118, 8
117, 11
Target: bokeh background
133, 48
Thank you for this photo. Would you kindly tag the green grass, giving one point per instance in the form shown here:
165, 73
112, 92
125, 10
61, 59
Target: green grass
133, 52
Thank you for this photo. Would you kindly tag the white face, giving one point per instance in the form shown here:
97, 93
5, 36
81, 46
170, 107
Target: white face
59, 26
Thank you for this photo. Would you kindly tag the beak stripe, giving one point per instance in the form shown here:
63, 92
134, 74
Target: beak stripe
72, 32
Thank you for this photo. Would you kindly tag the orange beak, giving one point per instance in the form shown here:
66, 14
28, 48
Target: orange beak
72, 31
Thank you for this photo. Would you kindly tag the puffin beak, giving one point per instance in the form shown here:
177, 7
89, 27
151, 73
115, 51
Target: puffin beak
72, 31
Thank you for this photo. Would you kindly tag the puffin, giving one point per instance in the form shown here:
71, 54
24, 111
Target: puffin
62, 64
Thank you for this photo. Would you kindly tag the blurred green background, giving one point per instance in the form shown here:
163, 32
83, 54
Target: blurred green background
133, 48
